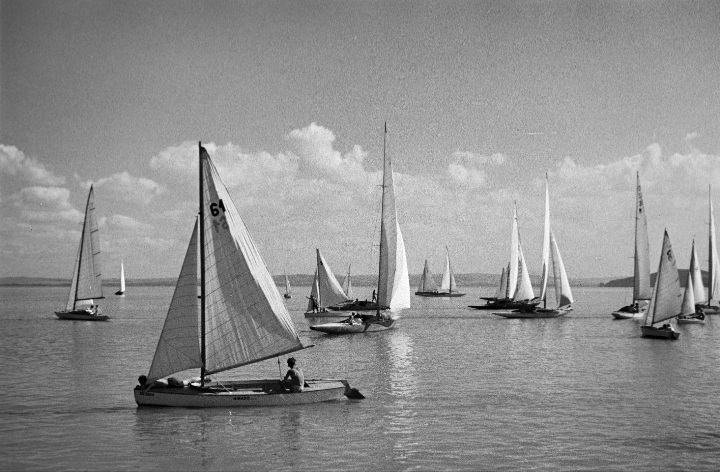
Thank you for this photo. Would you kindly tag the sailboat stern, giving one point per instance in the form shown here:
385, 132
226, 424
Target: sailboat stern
660, 333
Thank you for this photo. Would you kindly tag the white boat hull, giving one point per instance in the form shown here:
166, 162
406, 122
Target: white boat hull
653, 332
539, 313
359, 327
322, 317
628, 313
80, 316
233, 394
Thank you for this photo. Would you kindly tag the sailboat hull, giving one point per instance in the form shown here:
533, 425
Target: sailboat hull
503, 305
439, 294
538, 313
653, 332
80, 316
709, 309
343, 327
321, 317
119, 292
247, 393
628, 313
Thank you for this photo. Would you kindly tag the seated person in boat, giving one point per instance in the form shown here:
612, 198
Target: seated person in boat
666, 327
294, 379
171, 382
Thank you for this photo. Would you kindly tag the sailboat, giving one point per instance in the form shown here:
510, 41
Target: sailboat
563, 292
393, 289
713, 266
238, 319
325, 293
86, 283
515, 283
642, 289
665, 302
287, 293
689, 313
347, 286
448, 286
122, 279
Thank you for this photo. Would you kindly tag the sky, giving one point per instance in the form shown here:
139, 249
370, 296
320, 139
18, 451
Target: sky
482, 100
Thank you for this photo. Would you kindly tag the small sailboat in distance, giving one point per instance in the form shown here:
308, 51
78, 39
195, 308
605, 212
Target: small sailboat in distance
239, 318
665, 302
86, 283
288, 293
347, 286
393, 289
122, 279
689, 311
448, 286
642, 290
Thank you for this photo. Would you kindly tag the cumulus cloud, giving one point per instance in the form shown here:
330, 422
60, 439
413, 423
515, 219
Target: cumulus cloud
123, 222
127, 188
14, 163
479, 159
468, 177
45, 204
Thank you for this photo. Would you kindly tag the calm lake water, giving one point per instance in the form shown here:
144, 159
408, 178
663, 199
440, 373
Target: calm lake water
450, 388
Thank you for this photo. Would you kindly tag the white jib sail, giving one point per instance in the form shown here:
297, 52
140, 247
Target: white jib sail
563, 293
87, 274
514, 259
546, 245
524, 290
697, 282
393, 279
713, 260
427, 284
178, 348
666, 299
287, 285
688, 303
314, 291
642, 289
331, 293
448, 280
500, 293
246, 319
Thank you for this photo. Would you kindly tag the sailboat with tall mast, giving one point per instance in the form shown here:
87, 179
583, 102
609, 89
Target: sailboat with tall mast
86, 282
238, 318
665, 302
448, 286
515, 283
642, 289
122, 279
393, 289
713, 291
563, 292
288, 291
689, 312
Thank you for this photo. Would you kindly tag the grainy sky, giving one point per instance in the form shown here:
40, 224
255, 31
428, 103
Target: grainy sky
481, 100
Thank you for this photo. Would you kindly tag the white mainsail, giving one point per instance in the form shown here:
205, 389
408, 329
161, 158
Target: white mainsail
314, 291
642, 289
448, 281
697, 283
393, 277
427, 284
287, 285
246, 319
514, 258
179, 348
688, 303
347, 286
86, 284
329, 289
666, 298
713, 260
563, 293
122, 276
524, 290
546, 245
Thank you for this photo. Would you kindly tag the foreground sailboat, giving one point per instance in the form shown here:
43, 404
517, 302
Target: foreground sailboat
713, 267
239, 317
86, 283
448, 286
393, 289
642, 289
665, 302
122, 279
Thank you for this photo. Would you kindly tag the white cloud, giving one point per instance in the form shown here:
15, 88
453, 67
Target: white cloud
468, 177
14, 163
127, 188
45, 205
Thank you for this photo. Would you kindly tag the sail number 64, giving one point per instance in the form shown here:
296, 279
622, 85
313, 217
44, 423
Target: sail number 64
216, 207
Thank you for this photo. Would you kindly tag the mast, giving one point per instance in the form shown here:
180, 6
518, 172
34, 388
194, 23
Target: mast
202, 265
82, 241
382, 223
